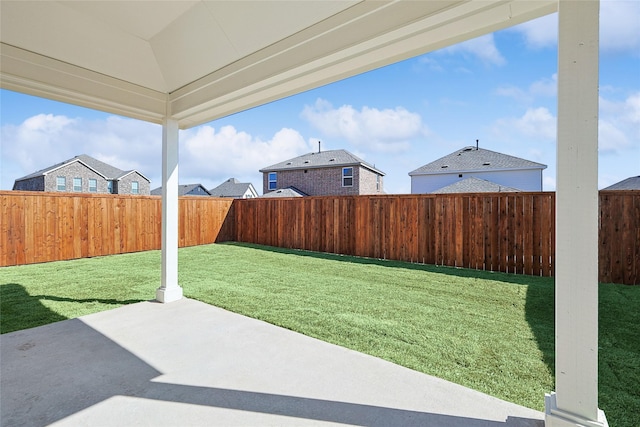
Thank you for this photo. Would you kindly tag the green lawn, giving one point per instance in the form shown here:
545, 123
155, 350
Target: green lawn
492, 332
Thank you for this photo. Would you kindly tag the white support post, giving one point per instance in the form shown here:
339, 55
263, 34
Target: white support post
169, 289
575, 402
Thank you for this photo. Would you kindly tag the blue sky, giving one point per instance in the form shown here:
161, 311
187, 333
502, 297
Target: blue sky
499, 88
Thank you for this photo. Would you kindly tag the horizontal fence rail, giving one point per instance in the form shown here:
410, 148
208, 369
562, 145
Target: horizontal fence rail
41, 227
508, 232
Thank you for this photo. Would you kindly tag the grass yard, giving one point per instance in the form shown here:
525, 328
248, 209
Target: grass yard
492, 332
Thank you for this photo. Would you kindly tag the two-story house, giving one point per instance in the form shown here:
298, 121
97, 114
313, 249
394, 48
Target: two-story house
84, 174
323, 173
491, 171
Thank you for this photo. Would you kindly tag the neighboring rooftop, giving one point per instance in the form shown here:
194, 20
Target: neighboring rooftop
285, 192
472, 159
474, 185
107, 171
185, 190
322, 159
632, 183
232, 188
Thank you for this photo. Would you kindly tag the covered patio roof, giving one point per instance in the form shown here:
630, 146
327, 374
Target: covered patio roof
205, 59
184, 63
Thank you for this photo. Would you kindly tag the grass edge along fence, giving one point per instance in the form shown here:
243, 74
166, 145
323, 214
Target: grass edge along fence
508, 232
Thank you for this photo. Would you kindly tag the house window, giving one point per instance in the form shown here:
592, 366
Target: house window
77, 184
134, 187
347, 177
61, 183
377, 182
273, 181
110, 187
93, 185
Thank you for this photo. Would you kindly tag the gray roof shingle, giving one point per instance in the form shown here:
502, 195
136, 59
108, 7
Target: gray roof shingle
285, 192
231, 188
474, 185
470, 159
104, 169
631, 183
183, 190
322, 159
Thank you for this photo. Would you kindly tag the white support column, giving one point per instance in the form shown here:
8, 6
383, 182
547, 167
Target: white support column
575, 402
169, 289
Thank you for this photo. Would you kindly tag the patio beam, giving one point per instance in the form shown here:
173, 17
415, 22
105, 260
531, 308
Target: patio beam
575, 401
169, 289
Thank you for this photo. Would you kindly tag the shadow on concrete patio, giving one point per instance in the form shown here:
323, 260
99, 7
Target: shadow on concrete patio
71, 373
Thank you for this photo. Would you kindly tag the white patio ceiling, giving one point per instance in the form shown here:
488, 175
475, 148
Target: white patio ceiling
196, 61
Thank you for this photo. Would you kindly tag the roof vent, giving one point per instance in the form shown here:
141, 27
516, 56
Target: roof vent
288, 163
444, 166
306, 161
486, 164
332, 160
467, 149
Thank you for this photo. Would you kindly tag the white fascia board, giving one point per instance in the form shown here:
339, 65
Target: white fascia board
130, 172
33, 74
71, 162
226, 92
450, 171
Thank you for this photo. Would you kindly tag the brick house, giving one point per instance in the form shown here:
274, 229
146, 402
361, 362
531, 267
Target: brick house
84, 174
492, 171
333, 172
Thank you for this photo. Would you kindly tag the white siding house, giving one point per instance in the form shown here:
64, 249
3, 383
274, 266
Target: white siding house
498, 168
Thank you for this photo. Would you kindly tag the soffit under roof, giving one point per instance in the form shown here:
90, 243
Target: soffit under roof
200, 60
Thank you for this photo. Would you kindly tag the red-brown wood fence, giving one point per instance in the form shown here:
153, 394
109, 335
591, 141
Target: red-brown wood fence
41, 227
509, 232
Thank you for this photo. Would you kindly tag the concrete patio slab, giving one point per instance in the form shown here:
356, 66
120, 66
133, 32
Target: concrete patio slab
191, 364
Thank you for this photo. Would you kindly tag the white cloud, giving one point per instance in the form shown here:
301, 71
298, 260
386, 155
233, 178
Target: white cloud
206, 155
610, 138
212, 156
541, 32
632, 108
386, 130
618, 28
536, 123
619, 22
619, 124
45, 139
483, 48
544, 88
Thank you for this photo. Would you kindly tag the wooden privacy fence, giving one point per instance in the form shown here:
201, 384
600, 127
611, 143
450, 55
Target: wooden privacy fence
499, 231
41, 227
509, 232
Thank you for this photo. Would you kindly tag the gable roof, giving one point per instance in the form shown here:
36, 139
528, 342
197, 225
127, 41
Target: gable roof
474, 185
631, 183
285, 192
322, 159
101, 168
183, 190
472, 159
232, 188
